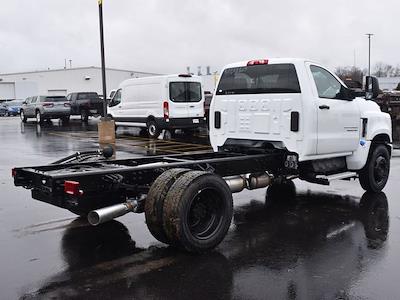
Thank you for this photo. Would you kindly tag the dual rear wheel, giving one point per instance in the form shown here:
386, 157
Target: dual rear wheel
189, 209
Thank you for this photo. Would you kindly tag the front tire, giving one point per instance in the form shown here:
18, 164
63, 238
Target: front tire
153, 129
197, 211
374, 176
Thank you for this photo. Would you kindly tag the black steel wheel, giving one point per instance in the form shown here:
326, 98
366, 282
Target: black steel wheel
197, 211
155, 202
374, 176
153, 129
22, 116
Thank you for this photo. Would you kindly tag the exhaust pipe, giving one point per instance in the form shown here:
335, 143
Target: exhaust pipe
98, 216
238, 183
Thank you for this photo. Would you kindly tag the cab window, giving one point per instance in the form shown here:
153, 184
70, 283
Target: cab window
117, 98
327, 85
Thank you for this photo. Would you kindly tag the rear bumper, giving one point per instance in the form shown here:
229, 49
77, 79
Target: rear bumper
56, 113
177, 123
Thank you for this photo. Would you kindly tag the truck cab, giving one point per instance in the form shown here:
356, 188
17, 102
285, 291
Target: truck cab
301, 106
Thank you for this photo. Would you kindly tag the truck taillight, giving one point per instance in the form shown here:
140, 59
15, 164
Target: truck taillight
72, 188
46, 104
258, 62
14, 172
166, 110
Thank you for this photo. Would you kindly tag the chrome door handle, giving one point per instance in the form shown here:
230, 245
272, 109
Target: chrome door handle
324, 107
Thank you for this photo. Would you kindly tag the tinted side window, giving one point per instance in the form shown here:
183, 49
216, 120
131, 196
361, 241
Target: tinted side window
259, 79
327, 85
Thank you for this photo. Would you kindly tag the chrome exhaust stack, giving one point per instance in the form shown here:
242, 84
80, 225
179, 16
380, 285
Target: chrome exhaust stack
250, 182
102, 215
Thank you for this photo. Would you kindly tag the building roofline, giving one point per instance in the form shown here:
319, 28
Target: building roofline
77, 68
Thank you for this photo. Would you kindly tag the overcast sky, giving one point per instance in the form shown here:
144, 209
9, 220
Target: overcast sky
166, 36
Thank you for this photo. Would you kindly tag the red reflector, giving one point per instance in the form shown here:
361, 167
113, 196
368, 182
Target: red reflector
258, 62
14, 172
72, 188
166, 109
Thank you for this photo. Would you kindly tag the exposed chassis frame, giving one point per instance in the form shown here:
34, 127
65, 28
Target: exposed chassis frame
106, 182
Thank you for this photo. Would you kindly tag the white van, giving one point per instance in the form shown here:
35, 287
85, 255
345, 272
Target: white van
159, 102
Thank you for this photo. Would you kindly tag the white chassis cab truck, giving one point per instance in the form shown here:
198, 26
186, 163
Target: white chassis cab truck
270, 121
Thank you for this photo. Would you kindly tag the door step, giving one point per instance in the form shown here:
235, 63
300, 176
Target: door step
325, 180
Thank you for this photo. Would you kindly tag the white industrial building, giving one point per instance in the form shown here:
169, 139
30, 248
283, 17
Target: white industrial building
62, 81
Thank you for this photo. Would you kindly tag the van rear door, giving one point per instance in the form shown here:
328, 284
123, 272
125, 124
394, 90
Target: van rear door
185, 99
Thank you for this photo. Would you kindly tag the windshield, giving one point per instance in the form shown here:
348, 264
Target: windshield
185, 91
14, 103
259, 79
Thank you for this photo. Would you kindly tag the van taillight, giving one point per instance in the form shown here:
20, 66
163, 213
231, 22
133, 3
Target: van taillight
258, 62
166, 110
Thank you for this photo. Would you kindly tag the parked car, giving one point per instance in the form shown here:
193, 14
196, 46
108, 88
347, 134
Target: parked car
45, 108
85, 104
13, 107
3, 110
159, 102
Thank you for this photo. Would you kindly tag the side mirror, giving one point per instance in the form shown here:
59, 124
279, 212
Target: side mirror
24, 102
371, 87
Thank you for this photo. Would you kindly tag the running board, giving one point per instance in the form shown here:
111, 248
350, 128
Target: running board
325, 180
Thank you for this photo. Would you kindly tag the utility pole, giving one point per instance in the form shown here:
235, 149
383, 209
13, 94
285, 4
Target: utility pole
103, 63
369, 52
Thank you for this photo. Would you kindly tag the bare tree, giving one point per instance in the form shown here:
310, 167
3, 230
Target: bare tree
383, 70
350, 72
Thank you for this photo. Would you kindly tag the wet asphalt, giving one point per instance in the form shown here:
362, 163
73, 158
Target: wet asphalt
333, 242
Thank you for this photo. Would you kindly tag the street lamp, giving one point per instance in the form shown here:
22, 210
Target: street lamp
369, 52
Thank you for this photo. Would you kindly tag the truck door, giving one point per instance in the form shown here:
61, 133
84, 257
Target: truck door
338, 118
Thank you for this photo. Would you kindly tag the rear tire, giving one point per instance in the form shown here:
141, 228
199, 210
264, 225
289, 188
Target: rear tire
155, 202
84, 115
198, 211
65, 119
22, 116
374, 176
39, 118
153, 129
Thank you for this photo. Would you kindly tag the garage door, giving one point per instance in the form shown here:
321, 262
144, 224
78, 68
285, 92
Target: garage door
7, 90
57, 92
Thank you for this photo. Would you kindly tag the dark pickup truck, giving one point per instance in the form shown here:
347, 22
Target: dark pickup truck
85, 104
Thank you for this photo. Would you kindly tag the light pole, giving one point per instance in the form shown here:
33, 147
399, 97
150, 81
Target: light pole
106, 126
103, 63
369, 52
